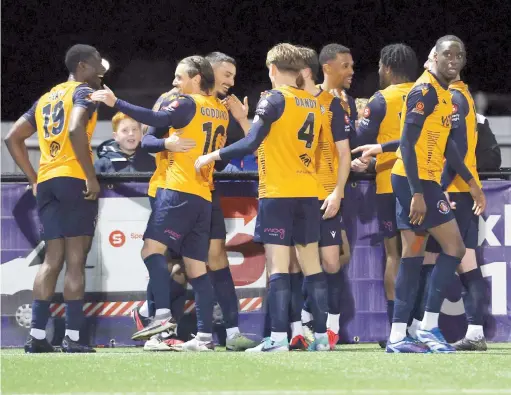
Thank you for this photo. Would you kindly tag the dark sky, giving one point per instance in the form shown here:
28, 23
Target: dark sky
36, 34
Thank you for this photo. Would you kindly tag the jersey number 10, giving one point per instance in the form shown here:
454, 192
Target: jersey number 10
53, 118
208, 129
306, 132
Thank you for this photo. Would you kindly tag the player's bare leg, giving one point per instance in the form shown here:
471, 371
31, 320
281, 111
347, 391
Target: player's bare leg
77, 249
316, 288
44, 288
298, 339
473, 299
197, 275
225, 292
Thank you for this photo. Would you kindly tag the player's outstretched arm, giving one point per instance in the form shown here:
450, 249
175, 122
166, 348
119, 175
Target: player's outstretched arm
154, 142
15, 142
80, 143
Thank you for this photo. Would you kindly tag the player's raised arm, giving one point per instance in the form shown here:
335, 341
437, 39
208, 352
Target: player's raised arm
167, 117
22, 129
268, 110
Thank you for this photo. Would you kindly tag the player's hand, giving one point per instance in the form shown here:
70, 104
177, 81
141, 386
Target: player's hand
360, 165
174, 143
203, 160
368, 150
238, 109
451, 204
33, 188
105, 96
417, 209
331, 205
93, 189
478, 196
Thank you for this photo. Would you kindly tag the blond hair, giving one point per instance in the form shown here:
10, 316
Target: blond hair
117, 118
286, 57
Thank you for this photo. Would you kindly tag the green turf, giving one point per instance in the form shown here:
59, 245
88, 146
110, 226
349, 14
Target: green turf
351, 369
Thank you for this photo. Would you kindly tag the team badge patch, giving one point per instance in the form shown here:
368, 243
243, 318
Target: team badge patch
367, 112
419, 108
454, 108
346, 119
443, 207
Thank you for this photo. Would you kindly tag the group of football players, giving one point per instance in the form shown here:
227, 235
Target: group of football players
421, 131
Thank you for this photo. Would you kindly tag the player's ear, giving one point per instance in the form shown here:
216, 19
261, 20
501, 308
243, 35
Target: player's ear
326, 68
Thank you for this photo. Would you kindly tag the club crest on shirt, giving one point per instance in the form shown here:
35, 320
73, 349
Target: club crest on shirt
443, 207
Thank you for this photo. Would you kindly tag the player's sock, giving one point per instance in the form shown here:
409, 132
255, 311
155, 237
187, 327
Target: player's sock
151, 309
295, 313
306, 316
332, 322
144, 310
177, 298
223, 285
317, 291
267, 320
473, 297
441, 276
204, 302
279, 297
278, 336
397, 332
407, 285
296, 328
412, 329
232, 332
205, 337
334, 294
429, 321
74, 318
422, 294
158, 272
474, 332
40, 316
390, 310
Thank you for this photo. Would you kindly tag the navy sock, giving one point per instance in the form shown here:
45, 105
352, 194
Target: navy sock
177, 299
473, 296
267, 319
306, 301
422, 293
225, 292
204, 302
279, 297
441, 276
158, 273
74, 314
390, 310
334, 292
407, 285
296, 281
318, 296
150, 300
40, 314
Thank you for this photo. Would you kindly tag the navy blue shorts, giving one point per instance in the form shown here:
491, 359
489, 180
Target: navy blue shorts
152, 200
330, 229
386, 212
218, 230
181, 221
63, 211
287, 221
467, 221
438, 210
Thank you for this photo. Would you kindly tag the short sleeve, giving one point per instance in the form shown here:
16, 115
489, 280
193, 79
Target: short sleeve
30, 114
82, 98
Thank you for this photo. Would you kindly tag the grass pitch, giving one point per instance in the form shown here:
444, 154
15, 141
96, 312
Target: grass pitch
357, 369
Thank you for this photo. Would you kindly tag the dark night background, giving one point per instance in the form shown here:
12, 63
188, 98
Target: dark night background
144, 41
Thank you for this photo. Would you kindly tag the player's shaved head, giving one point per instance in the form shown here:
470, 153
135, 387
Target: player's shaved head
330, 51
401, 60
310, 57
448, 38
79, 53
219, 57
198, 65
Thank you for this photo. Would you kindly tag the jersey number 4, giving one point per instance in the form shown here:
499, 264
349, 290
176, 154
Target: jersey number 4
208, 129
306, 132
53, 116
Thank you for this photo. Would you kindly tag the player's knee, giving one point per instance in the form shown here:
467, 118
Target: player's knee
457, 250
51, 269
331, 264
